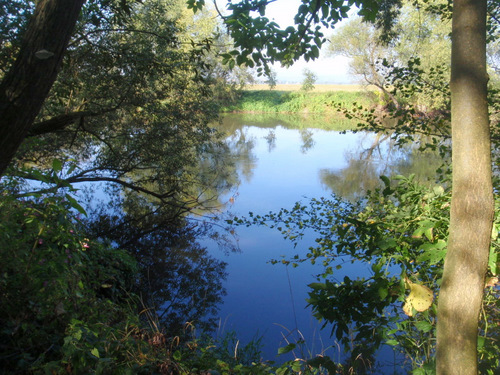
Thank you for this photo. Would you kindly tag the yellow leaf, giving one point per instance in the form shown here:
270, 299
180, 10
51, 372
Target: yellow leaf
407, 308
420, 298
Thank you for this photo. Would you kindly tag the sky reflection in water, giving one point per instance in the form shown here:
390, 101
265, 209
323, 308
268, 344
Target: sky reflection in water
281, 166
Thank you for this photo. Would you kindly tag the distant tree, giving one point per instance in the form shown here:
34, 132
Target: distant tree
420, 34
310, 79
272, 79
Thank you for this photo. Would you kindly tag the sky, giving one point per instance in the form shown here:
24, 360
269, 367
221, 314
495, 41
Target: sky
328, 69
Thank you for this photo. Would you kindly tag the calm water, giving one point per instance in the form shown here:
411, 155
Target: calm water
280, 163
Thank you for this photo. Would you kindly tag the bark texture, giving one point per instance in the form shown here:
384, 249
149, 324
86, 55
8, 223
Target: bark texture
26, 86
472, 206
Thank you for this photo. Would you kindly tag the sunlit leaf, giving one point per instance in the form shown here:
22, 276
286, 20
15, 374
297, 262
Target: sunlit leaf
423, 326
420, 298
95, 352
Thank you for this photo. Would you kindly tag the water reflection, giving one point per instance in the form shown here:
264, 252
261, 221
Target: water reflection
307, 140
178, 280
382, 157
241, 145
371, 156
282, 162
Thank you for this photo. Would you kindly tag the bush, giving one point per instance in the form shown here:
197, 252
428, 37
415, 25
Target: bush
59, 289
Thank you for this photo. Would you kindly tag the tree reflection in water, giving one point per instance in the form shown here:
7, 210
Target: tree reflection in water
178, 281
383, 157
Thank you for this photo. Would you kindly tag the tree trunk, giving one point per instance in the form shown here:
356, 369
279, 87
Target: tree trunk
27, 84
472, 206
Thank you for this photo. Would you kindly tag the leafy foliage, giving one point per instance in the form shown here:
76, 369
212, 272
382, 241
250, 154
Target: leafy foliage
418, 32
259, 41
55, 278
131, 108
294, 102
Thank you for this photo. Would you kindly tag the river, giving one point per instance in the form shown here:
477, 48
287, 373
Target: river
280, 162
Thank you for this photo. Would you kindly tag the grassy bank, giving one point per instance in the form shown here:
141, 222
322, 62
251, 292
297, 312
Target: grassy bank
290, 99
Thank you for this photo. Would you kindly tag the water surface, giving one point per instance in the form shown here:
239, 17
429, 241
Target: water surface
280, 162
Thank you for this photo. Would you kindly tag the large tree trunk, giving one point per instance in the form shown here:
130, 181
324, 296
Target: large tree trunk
27, 84
472, 206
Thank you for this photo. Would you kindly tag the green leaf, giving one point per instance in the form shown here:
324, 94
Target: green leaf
95, 352
387, 243
286, 349
386, 181
424, 326
57, 165
424, 227
480, 341
392, 342
493, 261
71, 168
324, 362
317, 286
296, 365
383, 293
433, 252
315, 51
438, 190
76, 205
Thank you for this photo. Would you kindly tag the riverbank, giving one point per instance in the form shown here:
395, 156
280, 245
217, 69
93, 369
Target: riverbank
291, 99
317, 87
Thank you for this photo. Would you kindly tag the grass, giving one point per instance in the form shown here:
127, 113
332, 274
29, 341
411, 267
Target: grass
290, 99
317, 87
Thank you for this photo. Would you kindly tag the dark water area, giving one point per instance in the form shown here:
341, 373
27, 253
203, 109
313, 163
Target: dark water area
280, 163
